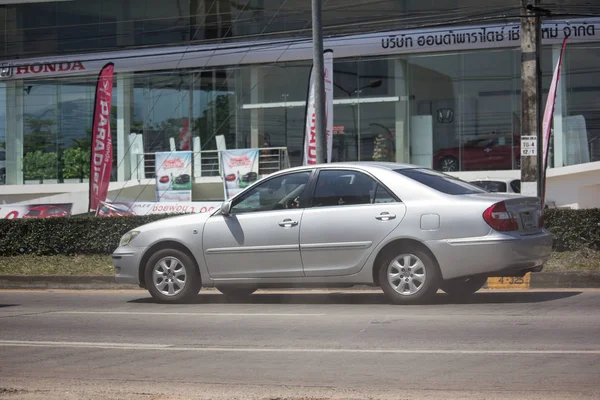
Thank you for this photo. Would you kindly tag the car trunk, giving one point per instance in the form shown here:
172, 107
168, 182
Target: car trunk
525, 210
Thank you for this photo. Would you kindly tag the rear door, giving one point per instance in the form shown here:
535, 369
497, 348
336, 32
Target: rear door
351, 214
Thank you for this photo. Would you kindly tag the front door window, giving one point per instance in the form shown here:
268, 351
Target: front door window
279, 193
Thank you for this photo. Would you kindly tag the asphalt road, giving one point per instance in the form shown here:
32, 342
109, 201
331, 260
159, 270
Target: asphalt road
299, 345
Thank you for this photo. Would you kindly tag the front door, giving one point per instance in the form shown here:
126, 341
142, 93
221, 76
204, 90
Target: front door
260, 237
351, 214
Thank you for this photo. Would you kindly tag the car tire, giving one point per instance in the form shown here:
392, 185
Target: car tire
164, 272
409, 276
463, 286
448, 164
236, 292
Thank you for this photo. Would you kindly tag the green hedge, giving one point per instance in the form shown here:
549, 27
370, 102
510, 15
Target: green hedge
572, 230
75, 235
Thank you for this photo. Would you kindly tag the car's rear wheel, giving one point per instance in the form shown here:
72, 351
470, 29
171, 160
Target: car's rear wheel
409, 277
236, 292
463, 286
172, 276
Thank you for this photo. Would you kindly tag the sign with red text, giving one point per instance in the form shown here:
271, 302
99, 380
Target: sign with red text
240, 170
118, 209
173, 176
548, 115
101, 151
310, 138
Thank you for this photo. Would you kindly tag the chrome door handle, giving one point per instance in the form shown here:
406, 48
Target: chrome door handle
288, 223
385, 216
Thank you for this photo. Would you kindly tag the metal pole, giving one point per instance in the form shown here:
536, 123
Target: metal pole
530, 100
319, 72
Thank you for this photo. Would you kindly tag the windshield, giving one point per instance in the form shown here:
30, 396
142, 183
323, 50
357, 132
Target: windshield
440, 182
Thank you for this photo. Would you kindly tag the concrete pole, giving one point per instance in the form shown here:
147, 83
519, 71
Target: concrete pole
531, 123
319, 72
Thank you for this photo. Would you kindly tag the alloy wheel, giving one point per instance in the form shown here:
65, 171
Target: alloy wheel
406, 274
169, 276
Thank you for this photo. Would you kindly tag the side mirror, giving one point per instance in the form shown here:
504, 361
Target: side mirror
226, 208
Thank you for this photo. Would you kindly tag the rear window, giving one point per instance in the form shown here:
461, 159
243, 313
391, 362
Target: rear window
491, 186
440, 182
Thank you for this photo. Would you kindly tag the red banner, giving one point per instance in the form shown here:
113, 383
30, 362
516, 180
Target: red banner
101, 151
548, 114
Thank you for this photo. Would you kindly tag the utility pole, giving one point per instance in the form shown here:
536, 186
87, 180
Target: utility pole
319, 72
531, 91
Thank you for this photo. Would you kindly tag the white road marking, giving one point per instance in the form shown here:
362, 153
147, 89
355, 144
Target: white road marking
204, 314
151, 346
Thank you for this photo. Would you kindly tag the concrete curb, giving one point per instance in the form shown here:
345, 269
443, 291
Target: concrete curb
541, 280
567, 280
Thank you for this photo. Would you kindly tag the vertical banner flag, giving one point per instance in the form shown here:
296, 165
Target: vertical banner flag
310, 140
173, 171
101, 154
548, 114
240, 170
185, 135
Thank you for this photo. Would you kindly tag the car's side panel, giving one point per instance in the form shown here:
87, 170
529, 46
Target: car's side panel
337, 240
253, 245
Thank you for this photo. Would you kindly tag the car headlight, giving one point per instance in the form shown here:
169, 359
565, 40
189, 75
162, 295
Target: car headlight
127, 238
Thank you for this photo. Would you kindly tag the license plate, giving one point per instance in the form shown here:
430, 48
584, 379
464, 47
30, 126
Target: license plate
528, 220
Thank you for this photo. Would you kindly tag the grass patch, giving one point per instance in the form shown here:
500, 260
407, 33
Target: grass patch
101, 265
581, 260
96, 265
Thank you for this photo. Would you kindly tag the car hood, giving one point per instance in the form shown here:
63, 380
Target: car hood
176, 221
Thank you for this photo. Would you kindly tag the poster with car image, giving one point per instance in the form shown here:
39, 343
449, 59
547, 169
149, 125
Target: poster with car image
16, 211
173, 176
240, 170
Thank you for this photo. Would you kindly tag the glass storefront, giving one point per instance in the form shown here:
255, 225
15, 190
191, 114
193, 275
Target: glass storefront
453, 112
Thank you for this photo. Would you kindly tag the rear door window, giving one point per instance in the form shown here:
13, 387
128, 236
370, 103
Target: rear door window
439, 181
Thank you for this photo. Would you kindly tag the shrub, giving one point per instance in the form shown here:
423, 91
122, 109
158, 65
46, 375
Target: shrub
81, 235
572, 231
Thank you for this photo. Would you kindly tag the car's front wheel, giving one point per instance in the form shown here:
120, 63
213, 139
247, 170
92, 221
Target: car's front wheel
172, 276
409, 277
463, 286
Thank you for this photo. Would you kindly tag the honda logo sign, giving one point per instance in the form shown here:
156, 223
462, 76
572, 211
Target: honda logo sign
6, 70
445, 115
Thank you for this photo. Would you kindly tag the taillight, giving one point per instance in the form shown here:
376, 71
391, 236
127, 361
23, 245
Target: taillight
499, 219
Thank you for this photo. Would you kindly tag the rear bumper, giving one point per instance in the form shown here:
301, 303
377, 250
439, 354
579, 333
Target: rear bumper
491, 255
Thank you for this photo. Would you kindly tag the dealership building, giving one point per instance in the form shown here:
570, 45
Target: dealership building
414, 82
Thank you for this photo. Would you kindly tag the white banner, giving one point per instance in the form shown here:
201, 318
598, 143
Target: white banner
328, 58
240, 170
173, 176
15, 211
310, 139
148, 208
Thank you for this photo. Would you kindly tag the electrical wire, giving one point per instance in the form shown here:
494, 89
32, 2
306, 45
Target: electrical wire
406, 22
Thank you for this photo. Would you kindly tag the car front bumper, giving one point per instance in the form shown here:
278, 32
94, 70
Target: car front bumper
492, 255
126, 261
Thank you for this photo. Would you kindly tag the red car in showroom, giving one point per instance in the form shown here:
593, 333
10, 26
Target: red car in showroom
483, 153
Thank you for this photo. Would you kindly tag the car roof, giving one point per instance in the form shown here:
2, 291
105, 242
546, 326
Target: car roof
356, 164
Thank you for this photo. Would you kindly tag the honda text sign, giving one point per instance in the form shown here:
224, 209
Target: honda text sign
101, 151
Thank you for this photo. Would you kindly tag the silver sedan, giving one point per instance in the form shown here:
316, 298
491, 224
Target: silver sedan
406, 229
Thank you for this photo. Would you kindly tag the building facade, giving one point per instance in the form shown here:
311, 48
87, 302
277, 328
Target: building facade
415, 82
